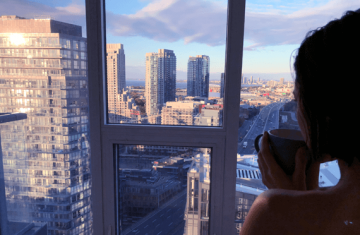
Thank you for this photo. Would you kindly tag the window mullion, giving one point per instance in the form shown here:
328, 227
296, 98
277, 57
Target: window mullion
233, 71
223, 141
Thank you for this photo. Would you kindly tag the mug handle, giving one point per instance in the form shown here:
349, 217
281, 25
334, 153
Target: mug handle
257, 142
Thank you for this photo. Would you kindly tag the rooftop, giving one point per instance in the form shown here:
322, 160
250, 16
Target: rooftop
45, 24
329, 174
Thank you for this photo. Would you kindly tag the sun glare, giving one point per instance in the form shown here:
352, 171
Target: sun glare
24, 110
17, 39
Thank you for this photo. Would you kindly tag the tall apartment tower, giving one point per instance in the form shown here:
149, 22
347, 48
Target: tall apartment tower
198, 76
160, 81
43, 72
196, 214
115, 63
281, 81
222, 85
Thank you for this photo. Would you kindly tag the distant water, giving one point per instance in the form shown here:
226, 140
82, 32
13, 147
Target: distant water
182, 85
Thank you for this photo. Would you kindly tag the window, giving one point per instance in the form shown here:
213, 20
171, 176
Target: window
109, 137
75, 45
186, 75
266, 97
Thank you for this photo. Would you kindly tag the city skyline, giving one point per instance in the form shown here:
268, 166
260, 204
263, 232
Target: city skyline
265, 53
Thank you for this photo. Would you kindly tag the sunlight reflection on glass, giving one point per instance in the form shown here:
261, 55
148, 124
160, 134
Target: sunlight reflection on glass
16, 39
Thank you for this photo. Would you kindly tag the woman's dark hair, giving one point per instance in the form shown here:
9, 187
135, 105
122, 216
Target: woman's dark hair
327, 69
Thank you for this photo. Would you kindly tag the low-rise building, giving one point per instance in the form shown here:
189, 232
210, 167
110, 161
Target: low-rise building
209, 115
174, 166
141, 191
179, 113
128, 111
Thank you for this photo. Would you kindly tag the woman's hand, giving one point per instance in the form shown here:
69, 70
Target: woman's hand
274, 177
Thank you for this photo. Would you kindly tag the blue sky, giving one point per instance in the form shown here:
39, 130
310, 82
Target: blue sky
273, 29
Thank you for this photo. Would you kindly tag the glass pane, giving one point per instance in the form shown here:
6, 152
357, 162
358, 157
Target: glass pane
162, 189
13, 169
163, 70
43, 73
267, 92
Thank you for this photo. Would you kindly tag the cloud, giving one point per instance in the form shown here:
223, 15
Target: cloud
75, 9
200, 21
204, 21
74, 13
270, 29
172, 20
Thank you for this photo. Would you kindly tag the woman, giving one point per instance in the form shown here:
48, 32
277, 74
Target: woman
326, 60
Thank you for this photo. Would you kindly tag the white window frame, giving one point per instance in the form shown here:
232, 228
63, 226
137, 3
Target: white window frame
223, 140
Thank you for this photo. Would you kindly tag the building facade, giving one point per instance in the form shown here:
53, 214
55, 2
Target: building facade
179, 113
198, 74
116, 82
281, 81
128, 111
143, 191
196, 213
160, 82
43, 72
209, 115
245, 80
222, 85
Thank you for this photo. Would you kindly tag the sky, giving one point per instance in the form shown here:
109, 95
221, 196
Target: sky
273, 29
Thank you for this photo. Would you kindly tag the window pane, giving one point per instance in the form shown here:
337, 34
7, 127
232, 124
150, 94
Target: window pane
162, 189
162, 70
14, 170
267, 93
43, 73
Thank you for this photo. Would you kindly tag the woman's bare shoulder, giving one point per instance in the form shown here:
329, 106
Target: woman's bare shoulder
299, 212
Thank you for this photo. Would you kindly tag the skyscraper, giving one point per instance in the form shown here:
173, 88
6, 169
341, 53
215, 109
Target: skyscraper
198, 76
115, 62
281, 81
222, 85
196, 213
259, 79
251, 80
160, 82
43, 72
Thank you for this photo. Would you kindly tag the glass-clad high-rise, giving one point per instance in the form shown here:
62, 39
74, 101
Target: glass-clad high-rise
43, 72
116, 82
160, 82
198, 76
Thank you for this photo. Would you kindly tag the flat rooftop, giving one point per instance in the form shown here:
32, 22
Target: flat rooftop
17, 24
